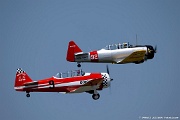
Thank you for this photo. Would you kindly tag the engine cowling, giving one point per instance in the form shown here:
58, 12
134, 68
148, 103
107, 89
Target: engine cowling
106, 80
150, 52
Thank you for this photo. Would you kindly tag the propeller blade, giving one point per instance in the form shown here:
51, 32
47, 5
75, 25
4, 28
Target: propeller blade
155, 49
107, 68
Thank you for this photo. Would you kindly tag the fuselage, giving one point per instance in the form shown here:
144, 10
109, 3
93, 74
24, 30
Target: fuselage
66, 85
109, 56
115, 53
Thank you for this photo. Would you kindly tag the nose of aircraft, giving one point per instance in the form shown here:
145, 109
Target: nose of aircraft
151, 51
106, 78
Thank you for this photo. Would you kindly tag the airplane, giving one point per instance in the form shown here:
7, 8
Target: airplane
115, 54
76, 81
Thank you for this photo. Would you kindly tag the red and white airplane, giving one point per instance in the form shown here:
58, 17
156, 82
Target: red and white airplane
70, 82
115, 54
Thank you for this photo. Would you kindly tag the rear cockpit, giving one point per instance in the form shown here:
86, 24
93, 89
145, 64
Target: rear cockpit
71, 73
117, 46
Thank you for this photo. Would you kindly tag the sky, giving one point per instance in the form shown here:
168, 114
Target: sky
34, 35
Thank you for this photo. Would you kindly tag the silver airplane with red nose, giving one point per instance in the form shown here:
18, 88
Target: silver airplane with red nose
115, 54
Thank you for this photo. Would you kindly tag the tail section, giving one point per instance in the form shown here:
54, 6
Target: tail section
72, 49
21, 78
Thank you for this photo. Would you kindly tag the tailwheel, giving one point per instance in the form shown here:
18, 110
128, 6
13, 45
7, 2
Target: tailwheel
78, 65
27, 95
96, 96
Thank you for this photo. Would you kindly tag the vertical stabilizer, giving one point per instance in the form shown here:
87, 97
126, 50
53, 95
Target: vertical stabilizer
21, 78
72, 49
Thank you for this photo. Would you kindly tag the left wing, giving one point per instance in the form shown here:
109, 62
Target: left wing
87, 86
94, 82
135, 56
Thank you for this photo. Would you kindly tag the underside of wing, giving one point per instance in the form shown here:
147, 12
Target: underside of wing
134, 57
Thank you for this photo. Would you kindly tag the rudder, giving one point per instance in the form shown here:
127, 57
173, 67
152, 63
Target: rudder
21, 78
72, 49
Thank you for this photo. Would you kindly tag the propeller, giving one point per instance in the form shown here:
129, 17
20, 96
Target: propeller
155, 49
107, 68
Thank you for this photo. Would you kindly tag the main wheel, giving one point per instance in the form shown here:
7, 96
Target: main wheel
96, 96
28, 95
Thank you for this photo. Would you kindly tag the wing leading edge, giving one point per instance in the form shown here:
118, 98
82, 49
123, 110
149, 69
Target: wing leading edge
87, 86
134, 57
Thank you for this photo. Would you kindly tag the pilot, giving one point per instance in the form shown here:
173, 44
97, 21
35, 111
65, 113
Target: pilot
60, 76
109, 47
125, 45
78, 72
119, 46
82, 73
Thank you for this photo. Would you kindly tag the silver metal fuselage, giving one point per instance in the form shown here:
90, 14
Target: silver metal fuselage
108, 56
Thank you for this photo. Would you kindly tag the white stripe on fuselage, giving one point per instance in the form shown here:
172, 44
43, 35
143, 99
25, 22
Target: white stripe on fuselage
72, 83
38, 86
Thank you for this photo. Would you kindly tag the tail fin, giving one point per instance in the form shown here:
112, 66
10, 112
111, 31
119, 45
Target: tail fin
21, 78
72, 49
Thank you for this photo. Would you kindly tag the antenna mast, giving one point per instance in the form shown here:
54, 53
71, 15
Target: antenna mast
136, 39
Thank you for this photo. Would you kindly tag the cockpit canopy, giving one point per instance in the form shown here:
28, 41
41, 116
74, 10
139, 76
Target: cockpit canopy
118, 46
71, 73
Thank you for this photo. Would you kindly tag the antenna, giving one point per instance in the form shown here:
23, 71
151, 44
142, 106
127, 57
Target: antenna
136, 39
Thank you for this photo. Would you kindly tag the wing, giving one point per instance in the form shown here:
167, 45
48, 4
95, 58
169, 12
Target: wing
87, 86
135, 56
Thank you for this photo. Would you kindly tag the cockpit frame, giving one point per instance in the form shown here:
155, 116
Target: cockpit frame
118, 46
71, 73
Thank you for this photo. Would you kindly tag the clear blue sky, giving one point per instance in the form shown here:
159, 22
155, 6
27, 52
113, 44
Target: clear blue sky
34, 35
